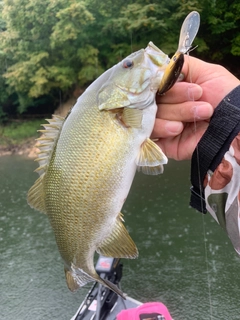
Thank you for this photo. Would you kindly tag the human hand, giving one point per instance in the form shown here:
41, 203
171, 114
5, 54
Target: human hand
185, 110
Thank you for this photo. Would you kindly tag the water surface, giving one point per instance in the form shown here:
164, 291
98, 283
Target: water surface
185, 259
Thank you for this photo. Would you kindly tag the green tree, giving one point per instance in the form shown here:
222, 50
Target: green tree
3, 67
42, 41
62, 45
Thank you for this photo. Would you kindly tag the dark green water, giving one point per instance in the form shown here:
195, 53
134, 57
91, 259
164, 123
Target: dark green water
173, 242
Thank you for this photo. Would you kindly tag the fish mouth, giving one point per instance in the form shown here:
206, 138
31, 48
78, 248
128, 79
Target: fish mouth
157, 57
172, 72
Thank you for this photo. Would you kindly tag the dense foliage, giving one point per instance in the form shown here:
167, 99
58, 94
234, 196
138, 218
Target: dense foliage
53, 48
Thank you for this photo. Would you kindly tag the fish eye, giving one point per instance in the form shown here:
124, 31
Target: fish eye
127, 63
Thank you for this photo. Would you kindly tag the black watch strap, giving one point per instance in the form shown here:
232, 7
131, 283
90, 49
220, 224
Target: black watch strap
223, 127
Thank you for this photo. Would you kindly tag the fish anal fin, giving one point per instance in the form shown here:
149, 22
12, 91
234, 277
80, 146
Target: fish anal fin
35, 196
118, 244
151, 158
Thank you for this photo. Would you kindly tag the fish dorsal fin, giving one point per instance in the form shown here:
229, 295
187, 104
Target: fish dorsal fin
151, 158
118, 244
46, 144
132, 117
35, 196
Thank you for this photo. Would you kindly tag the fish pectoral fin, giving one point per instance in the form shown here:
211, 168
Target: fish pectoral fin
112, 97
151, 158
118, 244
35, 196
132, 117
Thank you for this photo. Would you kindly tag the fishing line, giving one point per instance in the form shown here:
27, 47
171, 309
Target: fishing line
191, 98
131, 39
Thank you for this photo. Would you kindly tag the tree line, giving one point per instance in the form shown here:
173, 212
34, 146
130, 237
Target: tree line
53, 48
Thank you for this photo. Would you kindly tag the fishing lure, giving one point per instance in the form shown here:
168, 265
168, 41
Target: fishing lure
188, 33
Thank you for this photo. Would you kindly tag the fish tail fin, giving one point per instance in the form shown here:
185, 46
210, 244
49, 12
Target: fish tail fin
76, 280
72, 284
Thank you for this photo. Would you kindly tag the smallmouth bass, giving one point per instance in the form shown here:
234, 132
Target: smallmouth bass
88, 161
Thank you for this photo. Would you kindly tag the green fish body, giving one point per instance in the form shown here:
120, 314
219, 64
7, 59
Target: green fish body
88, 162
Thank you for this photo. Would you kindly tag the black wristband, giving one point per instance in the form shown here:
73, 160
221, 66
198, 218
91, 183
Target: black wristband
223, 127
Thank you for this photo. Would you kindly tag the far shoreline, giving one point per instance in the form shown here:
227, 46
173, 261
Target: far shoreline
27, 149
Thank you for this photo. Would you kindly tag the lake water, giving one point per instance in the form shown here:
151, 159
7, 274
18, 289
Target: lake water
185, 259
